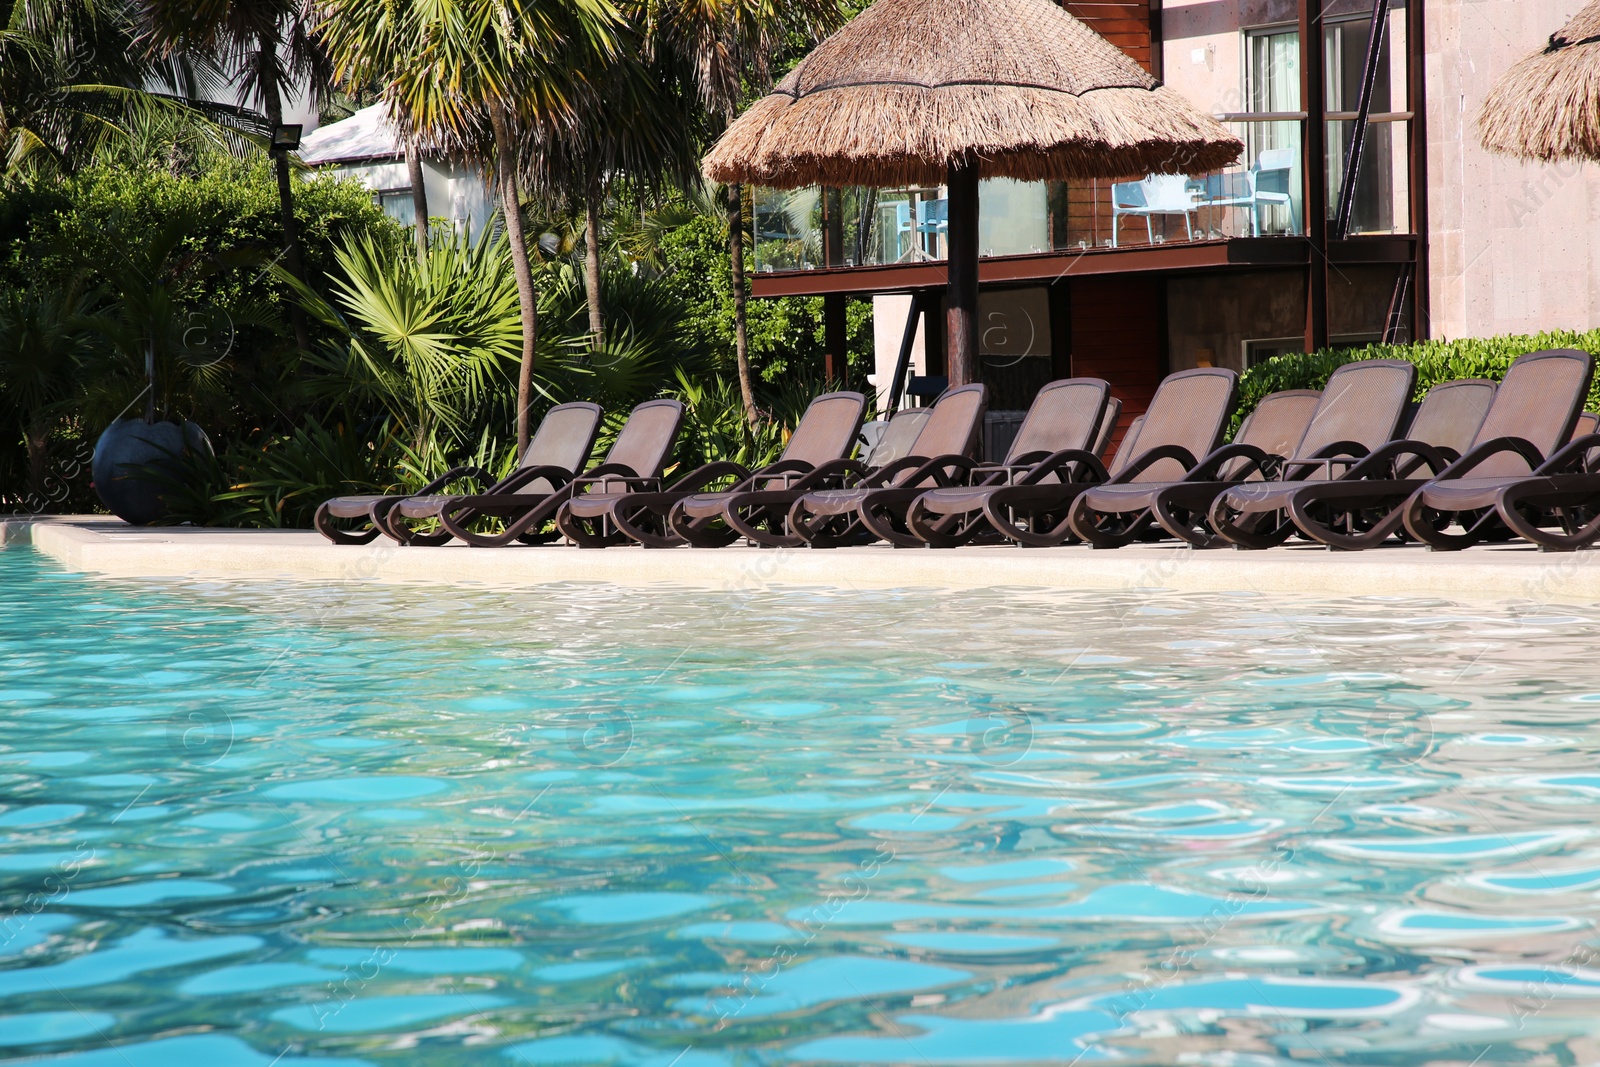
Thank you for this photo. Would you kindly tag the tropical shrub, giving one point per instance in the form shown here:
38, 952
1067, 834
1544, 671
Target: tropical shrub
1437, 361
785, 335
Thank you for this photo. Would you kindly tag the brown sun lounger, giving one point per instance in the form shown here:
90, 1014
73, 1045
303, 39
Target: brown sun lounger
1120, 512
1108, 428
1525, 469
1066, 420
1186, 419
637, 458
1361, 509
560, 446
826, 435
761, 514
1357, 412
1354, 436
1537, 402
830, 518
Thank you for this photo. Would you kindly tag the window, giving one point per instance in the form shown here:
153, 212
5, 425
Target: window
1260, 351
1272, 85
397, 204
1345, 51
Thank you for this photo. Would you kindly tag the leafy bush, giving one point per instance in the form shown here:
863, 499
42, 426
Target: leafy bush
281, 481
94, 237
1437, 361
785, 335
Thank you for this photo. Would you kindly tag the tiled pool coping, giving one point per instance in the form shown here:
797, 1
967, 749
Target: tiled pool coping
105, 546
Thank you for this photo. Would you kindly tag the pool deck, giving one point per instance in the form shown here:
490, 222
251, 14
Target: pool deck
105, 546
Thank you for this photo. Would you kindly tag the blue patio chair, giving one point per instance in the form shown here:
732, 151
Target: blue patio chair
1269, 181
1271, 178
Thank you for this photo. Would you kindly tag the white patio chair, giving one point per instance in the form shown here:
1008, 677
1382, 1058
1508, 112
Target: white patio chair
1159, 194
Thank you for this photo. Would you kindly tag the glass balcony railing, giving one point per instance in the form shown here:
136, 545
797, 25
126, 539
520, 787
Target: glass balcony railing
1261, 196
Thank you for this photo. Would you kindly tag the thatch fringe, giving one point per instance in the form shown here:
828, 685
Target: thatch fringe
1019, 85
1547, 107
868, 141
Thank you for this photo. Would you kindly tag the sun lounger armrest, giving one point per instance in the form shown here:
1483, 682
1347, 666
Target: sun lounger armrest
784, 474
839, 468
611, 481
1477, 454
1210, 468
1387, 457
703, 476
1003, 473
556, 476
1057, 462
1345, 454
945, 471
1572, 457
453, 474
885, 474
1145, 460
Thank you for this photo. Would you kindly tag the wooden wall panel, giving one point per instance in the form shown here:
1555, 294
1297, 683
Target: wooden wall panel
1117, 334
1125, 23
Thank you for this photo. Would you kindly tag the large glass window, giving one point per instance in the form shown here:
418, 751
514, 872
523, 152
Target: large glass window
1274, 181
1345, 52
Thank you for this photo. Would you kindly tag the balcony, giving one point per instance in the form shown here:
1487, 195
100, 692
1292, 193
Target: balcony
1262, 196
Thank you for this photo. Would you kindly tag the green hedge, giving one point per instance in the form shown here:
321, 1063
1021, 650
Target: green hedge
1437, 361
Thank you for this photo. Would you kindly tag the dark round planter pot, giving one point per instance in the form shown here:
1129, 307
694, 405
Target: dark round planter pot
132, 444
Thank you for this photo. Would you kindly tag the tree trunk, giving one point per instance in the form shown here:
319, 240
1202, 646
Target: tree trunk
419, 199
37, 439
741, 330
591, 263
292, 262
527, 299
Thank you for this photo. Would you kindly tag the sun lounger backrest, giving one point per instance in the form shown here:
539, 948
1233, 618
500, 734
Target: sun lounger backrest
1129, 446
1190, 410
1588, 423
1363, 402
645, 442
1275, 426
564, 439
1108, 426
1539, 401
827, 429
952, 429
898, 436
1451, 414
1065, 414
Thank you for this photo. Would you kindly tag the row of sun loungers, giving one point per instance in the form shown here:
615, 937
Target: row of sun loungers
1351, 467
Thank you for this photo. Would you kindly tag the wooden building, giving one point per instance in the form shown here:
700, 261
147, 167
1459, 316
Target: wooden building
1128, 280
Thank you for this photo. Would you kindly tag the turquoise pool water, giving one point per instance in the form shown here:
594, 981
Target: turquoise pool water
256, 824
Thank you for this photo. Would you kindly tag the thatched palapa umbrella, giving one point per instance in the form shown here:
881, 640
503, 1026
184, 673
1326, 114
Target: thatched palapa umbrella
946, 92
1547, 107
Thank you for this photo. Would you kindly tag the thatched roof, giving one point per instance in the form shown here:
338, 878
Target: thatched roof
909, 86
1547, 107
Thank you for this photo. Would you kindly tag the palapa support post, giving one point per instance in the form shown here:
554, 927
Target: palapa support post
961, 299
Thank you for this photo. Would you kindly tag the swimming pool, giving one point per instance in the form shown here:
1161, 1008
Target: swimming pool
249, 823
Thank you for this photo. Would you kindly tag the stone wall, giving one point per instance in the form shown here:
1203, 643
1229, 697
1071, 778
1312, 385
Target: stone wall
1516, 246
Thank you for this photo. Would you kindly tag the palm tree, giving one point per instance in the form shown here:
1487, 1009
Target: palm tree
730, 44
270, 44
476, 76
74, 78
639, 121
